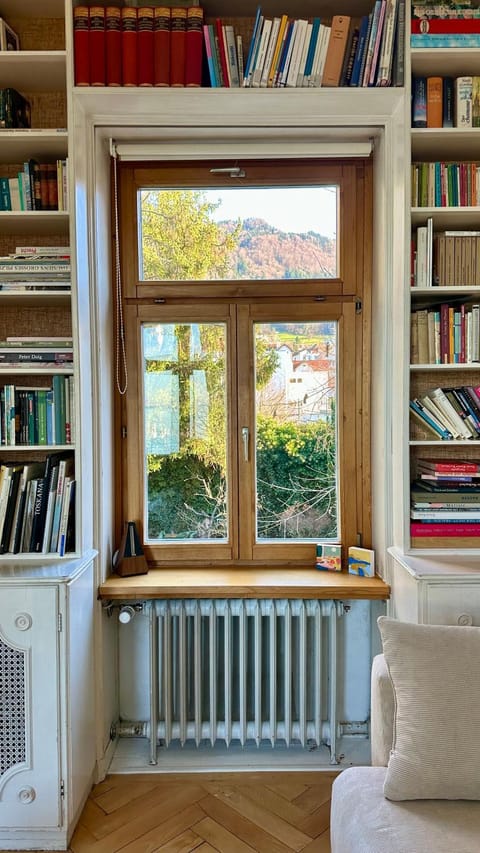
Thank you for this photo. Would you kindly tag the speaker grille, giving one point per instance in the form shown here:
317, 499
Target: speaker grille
12, 707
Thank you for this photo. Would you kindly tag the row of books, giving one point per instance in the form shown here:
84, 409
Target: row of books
31, 416
148, 46
39, 186
445, 498
37, 506
446, 101
447, 334
448, 258
159, 46
445, 184
449, 413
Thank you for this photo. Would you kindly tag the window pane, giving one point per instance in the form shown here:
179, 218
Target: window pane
185, 431
237, 234
296, 446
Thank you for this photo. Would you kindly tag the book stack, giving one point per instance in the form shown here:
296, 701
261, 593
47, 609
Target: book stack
37, 506
446, 101
442, 184
163, 46
38, 416
445, 499
32, 268
448, 24
449, 413
446, 334
14, 110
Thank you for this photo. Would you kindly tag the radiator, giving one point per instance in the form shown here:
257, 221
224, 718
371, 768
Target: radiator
242, 671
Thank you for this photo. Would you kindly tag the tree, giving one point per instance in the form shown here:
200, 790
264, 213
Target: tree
180, 241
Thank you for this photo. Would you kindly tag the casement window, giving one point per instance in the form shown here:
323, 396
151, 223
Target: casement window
245, 311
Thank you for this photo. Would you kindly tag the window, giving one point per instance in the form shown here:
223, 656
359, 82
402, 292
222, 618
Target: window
245, 300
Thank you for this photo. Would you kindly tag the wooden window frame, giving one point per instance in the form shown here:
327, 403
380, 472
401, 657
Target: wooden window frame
346, 298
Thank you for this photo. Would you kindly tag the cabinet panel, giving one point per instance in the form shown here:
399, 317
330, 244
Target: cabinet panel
30, 760
451, 604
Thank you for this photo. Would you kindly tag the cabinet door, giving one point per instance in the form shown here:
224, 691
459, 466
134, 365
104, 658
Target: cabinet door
29, 715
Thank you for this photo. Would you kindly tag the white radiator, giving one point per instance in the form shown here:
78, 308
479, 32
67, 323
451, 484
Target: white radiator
243, 670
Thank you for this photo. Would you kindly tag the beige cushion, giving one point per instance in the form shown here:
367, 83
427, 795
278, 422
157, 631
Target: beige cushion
435, 672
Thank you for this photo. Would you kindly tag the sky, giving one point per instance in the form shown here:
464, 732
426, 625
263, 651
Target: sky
296, 209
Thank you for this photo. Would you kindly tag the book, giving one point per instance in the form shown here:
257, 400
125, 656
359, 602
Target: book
328, 557
113, 46
376, 44
253, 42
66, 511
232, 56
398, 67
445, 26
463, 101
27, 521
209, 53
9, 39
447, 102
433, 40
178, 32
419, 528
419, 101
52, 491
361, 561
145, 45
277, 50
336, 50
14, 110
221, 52
261, 53
96, 45
161, 45
434, 102
129, 46
194, 47
435, 425
81, 48
308, 70
30, 470
450, 466
10, 487
361, 48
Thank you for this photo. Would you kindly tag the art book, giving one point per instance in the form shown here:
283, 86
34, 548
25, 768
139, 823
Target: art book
361, 561
329, 558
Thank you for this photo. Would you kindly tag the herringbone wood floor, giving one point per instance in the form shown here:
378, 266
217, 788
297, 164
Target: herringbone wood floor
205, 812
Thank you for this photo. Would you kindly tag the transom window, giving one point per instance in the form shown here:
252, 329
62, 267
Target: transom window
245, 417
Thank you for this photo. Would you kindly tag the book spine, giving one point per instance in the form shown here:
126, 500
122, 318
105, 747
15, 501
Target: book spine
376, 45
434, 102
336, 50
81, 46
463, 101
129, 46
177, 46
145, 45
97, 46
398, 65
222, 56
418, 528
447, 26
113, 46
161, 45
445, 40
419, 102
194, 46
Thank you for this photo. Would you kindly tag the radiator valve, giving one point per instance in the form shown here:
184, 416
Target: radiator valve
126, 614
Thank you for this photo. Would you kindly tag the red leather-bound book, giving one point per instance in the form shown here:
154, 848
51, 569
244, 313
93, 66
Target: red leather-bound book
194, 46
97, 45
81, 45
129, 46
145, 45
161, 46
113, 46
177, 46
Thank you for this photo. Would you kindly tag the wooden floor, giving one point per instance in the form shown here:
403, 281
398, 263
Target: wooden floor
206, 812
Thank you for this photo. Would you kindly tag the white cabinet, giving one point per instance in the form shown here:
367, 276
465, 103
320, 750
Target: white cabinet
46, 713
435, 590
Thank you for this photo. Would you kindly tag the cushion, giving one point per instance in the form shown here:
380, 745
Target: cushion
435, 672
362, 820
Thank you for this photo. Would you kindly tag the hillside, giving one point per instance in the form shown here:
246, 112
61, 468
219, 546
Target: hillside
265, 252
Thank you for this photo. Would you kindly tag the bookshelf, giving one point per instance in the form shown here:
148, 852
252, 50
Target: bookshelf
38, 70
444, 144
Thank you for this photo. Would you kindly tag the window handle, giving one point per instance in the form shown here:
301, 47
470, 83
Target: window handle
245, 439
